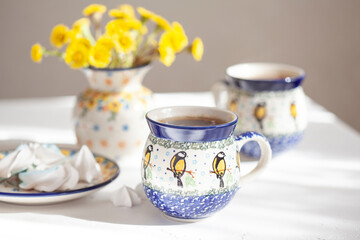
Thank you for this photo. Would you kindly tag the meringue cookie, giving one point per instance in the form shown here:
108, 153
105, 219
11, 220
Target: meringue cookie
17, 161
43, 180
85, 163
140, 191
44, 168
6, 164
49, 154
71, 179
29, 156
125, 197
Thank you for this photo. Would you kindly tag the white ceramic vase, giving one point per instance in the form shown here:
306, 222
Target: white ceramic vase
109, 116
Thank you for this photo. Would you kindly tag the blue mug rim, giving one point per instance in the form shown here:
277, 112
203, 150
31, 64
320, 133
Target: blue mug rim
276, 84
192, 127
160, 129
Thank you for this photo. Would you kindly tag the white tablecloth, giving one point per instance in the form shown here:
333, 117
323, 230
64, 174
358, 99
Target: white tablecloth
310, 192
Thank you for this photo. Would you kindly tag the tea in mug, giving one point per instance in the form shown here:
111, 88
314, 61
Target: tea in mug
192, 121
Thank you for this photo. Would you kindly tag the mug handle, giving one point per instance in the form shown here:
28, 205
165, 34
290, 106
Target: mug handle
220, 93
264, 158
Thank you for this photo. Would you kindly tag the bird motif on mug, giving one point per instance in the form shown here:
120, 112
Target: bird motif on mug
178, 167
233, 105
147, 157
238, 160
260, 113
293, 110
219, 167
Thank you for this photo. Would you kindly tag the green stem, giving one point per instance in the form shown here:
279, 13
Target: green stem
96, 20
53, 53
149, 40
114, 60
97, 30
143, 20
146, 58
85, 30
140, 38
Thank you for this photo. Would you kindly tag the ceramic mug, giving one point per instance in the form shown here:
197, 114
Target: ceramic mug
190, 172
268, 98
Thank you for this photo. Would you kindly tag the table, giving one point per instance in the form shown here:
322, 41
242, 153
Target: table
310, 192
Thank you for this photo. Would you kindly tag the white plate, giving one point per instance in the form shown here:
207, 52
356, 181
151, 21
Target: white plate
12, 194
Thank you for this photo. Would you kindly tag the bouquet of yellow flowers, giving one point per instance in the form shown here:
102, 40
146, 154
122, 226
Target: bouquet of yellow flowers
125, 41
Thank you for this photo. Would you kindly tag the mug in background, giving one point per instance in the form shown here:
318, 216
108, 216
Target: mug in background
190, 171
268, 98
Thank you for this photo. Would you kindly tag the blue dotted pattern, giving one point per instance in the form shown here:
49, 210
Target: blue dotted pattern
96, 127
278, 144
189, 207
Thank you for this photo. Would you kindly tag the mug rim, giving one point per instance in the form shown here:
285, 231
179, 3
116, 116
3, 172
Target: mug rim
276, 84
228, 123
191, 133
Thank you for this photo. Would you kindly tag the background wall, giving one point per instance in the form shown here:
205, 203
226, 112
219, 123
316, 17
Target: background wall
322, 36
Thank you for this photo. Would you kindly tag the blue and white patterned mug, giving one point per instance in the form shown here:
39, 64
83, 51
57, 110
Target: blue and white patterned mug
191, 172
268, 98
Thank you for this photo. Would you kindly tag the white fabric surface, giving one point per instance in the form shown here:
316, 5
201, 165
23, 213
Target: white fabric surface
310, 192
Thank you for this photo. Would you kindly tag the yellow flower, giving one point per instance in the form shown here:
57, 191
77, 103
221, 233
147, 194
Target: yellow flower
197, 49
100, 56
36, 52
143, 30
78, 25
128, 9
80, 22
90, 104
81, 41
104, 96
132, 23
106, 41
100, 159
114, 106
116, 13
77, 53
127, 96
65, 152
166, 51
59, 35
174, 38
125, 42
94, 8
145, 13
178, 37
167, 55
123, 11
162, 22
112, 27
165, 40
88, 93
117, 25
